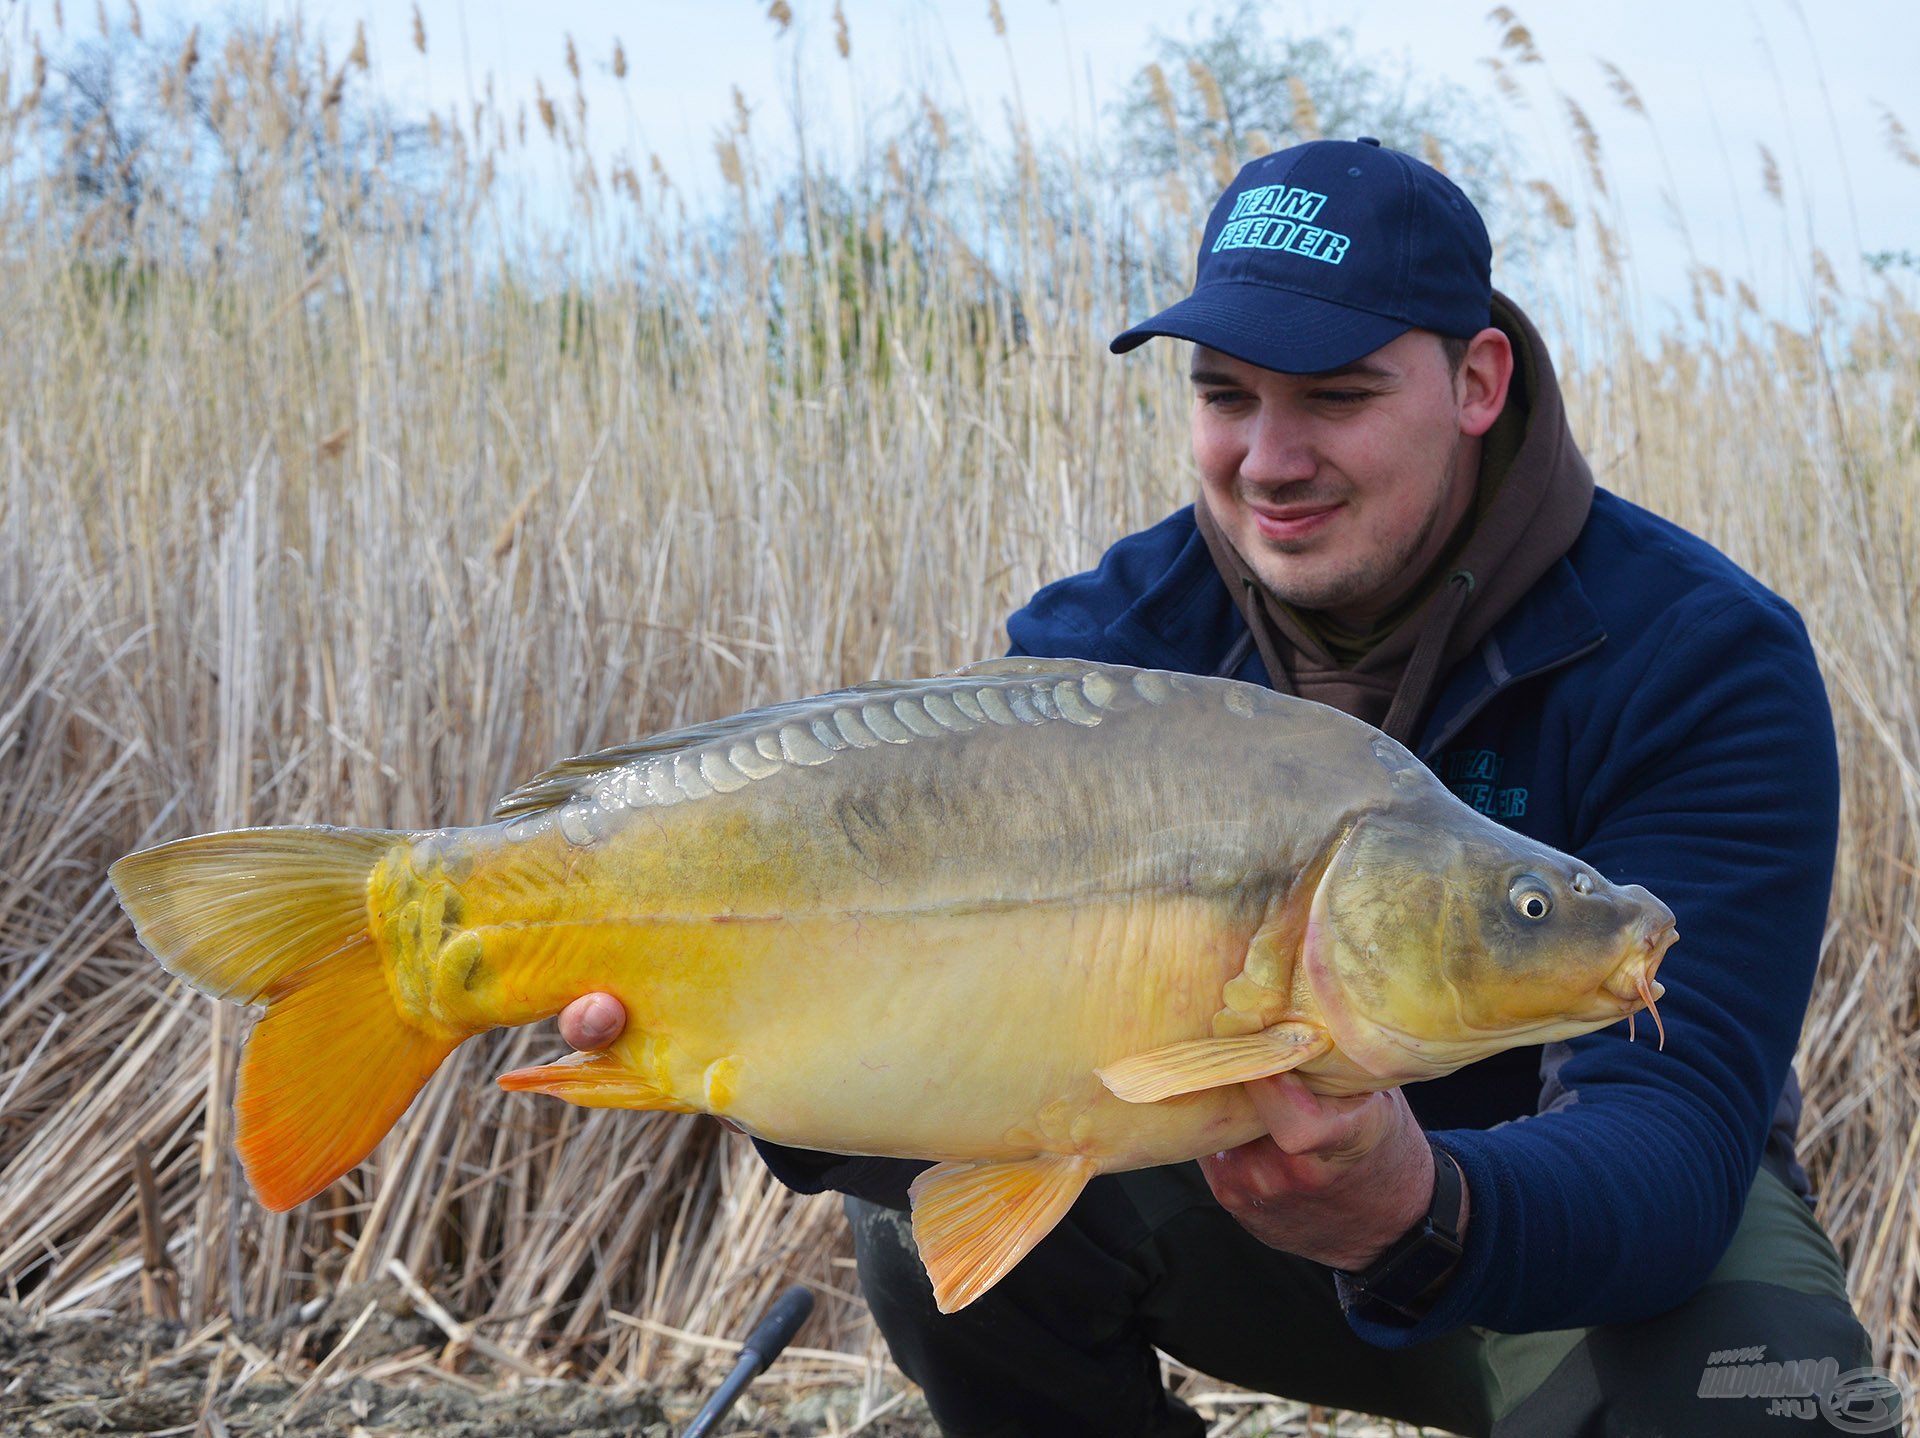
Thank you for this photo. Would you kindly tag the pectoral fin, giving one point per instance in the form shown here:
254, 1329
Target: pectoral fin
1213, 1063
974, 1221
596, 1080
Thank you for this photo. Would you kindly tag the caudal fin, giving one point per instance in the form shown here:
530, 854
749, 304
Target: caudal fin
279, 916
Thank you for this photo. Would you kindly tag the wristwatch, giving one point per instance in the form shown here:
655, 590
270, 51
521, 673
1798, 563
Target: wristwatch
1407, 1278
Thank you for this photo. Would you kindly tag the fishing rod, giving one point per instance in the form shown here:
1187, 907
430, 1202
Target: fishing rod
770, 1335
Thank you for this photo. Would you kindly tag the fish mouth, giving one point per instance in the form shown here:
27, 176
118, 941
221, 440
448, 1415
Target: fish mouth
1633, 984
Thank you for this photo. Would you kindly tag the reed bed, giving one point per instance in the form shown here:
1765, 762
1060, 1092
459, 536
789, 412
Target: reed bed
321, 505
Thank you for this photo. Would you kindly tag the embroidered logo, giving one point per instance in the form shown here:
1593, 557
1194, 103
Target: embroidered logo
1474, 775
1280, 217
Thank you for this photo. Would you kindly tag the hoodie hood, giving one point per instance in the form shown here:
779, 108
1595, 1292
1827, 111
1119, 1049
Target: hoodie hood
1533, 496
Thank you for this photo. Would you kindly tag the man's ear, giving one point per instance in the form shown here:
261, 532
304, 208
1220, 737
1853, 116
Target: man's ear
1484, 377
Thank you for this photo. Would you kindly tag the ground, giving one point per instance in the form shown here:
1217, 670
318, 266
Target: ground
92, 1372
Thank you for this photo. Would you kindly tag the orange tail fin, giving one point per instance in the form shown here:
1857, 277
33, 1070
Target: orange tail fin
279, 916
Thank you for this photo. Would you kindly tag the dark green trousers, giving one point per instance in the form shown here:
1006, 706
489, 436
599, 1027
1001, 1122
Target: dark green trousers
1064, 1345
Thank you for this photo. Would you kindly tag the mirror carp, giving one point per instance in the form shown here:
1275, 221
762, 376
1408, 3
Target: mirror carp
1034, 920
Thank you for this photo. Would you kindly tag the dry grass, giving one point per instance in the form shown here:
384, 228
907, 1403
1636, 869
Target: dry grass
312, 515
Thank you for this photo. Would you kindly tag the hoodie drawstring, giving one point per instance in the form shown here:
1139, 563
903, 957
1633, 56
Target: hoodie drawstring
1254, 612
1423, 665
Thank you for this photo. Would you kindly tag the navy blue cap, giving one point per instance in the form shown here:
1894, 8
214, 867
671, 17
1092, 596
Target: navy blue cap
1323, 252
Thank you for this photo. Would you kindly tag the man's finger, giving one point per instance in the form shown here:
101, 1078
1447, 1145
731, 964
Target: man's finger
1302, 1122
1299, 1120
593, 1021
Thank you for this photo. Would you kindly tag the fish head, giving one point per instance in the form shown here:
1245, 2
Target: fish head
1438, 937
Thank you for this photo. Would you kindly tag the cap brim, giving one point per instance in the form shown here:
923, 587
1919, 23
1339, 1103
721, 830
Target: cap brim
1273, 328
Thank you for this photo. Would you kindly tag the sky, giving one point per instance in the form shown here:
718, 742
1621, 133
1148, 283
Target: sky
1719, 79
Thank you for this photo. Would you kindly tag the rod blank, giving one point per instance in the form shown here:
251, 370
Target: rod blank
769, 1337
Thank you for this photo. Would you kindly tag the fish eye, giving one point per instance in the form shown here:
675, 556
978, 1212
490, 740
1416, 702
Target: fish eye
1582, 882
1530, 898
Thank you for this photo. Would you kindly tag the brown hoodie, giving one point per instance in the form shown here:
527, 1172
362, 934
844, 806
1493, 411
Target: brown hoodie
1534, 493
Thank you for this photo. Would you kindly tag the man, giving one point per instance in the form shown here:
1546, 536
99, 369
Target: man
1393, 519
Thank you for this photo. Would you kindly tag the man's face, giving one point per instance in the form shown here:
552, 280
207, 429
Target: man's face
1340, 489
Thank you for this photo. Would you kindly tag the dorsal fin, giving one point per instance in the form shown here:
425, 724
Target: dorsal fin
554, 786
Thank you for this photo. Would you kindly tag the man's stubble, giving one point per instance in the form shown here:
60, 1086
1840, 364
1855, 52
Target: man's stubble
1374, 575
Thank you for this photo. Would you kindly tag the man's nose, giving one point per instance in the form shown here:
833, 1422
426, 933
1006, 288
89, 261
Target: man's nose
1278, 453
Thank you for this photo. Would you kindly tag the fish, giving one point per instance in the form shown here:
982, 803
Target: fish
1033, 920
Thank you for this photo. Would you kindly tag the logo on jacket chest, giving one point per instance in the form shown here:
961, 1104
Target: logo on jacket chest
1475, 776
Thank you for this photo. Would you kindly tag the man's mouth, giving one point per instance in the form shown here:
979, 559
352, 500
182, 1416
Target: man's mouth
1290, 521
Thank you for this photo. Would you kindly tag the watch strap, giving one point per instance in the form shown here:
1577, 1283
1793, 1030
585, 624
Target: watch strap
1407, 1278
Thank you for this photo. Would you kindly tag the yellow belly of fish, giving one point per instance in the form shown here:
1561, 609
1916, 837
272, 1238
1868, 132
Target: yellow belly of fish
940, 1035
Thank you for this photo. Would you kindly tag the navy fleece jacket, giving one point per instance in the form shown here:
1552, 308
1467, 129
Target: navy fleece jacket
1654, 710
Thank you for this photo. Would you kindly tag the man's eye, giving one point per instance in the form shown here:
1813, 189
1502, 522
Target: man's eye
1215, 398
1343, 396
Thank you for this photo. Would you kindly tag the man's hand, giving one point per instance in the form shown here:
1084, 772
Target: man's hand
1336, 1180
593, 1021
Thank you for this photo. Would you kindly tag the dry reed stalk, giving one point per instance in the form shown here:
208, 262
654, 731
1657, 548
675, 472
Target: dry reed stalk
344, 520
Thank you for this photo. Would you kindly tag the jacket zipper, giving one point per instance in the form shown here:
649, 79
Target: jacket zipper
1486, 696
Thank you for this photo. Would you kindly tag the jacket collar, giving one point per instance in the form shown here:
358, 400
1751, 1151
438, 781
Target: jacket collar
1552, 624
1185, 620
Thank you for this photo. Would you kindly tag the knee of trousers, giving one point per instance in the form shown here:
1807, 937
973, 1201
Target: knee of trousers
1076, 1284
1054, 1349
891, 1273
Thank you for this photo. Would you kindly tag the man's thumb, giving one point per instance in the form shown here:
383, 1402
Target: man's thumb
592, 1022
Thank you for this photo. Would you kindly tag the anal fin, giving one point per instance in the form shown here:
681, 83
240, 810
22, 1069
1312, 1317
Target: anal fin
1213, 1063
974, 1221
595, 1080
